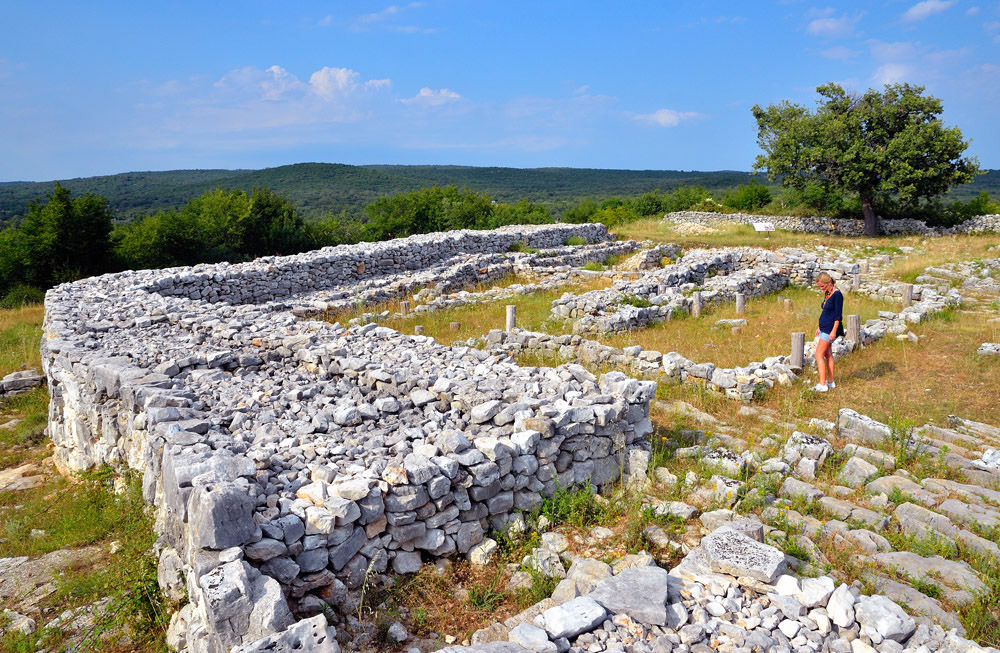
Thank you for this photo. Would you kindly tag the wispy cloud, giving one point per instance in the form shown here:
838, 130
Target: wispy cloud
384, 18
432, 98
840, 52
972, 11
892, 73
926, 9
325, 21
882, 51
827, 25
667, 117
271, 84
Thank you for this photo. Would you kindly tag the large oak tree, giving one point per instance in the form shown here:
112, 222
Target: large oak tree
882, 146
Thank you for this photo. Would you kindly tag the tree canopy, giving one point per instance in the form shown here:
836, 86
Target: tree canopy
886, 147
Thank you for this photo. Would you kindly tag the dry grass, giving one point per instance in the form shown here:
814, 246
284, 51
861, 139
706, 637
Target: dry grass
739, 235
923, 382
768, 330
888, 380
20, 338
533, 312
939, 251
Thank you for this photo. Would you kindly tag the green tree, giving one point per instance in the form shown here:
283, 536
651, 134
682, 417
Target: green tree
271, 225
748, 197
60, 240
883, 146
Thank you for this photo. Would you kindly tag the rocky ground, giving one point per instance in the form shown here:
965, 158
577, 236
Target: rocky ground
735, 530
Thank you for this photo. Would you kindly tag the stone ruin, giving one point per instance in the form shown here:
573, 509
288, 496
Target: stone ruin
288, 458
839, 226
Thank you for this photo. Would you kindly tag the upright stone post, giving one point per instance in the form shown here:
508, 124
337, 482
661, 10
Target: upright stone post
418, 329
404, 307
797, 359
856, 282
907, 294
741, 303
864, 267
511, 317
696, 304
788, 304
852, 326
454, 326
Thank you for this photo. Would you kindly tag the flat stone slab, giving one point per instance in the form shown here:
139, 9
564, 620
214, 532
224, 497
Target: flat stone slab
640, 593
886, 484
730, 552
954, 573
580, 615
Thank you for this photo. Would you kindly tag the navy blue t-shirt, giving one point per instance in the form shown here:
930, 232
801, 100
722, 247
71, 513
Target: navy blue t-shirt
833, 311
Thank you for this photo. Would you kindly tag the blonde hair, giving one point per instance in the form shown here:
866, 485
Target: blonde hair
825, 278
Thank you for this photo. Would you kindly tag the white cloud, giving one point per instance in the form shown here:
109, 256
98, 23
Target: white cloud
325, 21
375, 17
830, 27
271, 84
972, 11
839, 52
926, 9
892, 73
667, 117
428, 97
329, 83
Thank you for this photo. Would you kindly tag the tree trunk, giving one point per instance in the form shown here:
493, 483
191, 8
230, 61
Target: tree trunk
871, 220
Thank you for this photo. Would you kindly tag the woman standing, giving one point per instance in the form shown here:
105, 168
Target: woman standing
831, 322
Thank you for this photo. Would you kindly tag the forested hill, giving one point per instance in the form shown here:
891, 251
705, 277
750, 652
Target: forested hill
322, 188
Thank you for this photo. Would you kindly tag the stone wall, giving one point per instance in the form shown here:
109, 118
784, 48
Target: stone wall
717, 275
842, 227
287, 458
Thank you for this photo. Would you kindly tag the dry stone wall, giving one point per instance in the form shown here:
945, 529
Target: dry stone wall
842, 227
288, 458
717, 275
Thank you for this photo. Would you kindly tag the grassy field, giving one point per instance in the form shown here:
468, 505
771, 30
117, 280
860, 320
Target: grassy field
768, 330
533, 312
71, 513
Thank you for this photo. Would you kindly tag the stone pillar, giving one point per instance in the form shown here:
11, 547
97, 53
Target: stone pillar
511, 317
907, 294
404, 307
788, 304
852, 325
855, 282
454, 326
864, 267
741, 304
696, 304
797, 359
419, 329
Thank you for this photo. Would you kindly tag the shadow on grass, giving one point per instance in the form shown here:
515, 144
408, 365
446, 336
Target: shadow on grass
872, 372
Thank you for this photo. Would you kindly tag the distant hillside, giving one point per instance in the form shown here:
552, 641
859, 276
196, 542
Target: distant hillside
320, 188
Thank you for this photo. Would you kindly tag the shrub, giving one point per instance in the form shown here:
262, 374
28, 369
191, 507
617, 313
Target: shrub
576, 240
22, 295
635, 300
519, 246
748, 198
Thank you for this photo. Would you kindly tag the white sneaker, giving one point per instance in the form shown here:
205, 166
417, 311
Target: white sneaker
820, 388
831, 385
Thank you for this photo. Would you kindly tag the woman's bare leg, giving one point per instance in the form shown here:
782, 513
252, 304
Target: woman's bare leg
822, 347
829, 362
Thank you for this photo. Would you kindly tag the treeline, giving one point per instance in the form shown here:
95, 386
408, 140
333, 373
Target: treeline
66, 238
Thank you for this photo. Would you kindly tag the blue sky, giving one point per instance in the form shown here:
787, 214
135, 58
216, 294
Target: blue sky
90, 88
